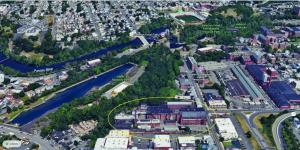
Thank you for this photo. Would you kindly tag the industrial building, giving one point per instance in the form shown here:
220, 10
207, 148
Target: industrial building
171, 113
178, 105
214, 99
262, 74
282, 94
191, 63
116, 90
116, 139
187, 142
162, 142
124, 121
236, 88
226, 128
213, 65
257, 72
251, 88
184, 83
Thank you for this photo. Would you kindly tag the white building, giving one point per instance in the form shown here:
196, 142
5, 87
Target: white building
63, 75
162, 142
210, 48
1, 78
4, 10
296, 123
221, 104
123, 116
10, 144
115, 140
119, 88
116, 143
187, 142
94, 62
116, 90
226, 128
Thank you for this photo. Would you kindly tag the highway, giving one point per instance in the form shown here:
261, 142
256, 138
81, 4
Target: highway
276, 129
44, 144
241, 133
260, 139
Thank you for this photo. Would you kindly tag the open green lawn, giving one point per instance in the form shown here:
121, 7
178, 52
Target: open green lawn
188, 18
229, 12
264, 129
245, 128
295, 41
34, 56
227, 143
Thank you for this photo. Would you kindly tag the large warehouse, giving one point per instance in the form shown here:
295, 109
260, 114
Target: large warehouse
226, 128
282, 94
250, 87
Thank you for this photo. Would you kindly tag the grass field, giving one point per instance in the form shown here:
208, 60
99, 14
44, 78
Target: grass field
295, 41
188, 18
245, 128
229, 12
262, 129
34, 56
227, 143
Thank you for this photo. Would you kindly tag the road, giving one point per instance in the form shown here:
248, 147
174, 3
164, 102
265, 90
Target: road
200, 97
241, 133
254, 130
93, 19
276, 129
288, 21
134, 51
44, 144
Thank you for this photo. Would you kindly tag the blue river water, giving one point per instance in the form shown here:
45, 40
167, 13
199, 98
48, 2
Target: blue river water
24, 68
69, 95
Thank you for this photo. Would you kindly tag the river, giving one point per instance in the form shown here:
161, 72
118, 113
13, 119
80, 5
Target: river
69, 95
24, 68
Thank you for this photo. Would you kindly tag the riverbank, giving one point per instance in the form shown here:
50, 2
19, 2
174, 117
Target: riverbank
27, 68
48, 98
68, 95
40, 101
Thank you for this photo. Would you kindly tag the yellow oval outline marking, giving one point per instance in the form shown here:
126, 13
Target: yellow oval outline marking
145, 98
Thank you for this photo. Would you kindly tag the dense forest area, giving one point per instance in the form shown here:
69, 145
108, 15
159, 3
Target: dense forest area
50, 47
157, 80
210, 56
267, 122
225, 23
155, 24
289, 137
76, 75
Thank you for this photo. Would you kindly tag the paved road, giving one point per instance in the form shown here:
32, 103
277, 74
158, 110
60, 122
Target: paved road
44, 144
254, 130
132, 51
276, 129
260, 139
93, 19
241, 133
199, 95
